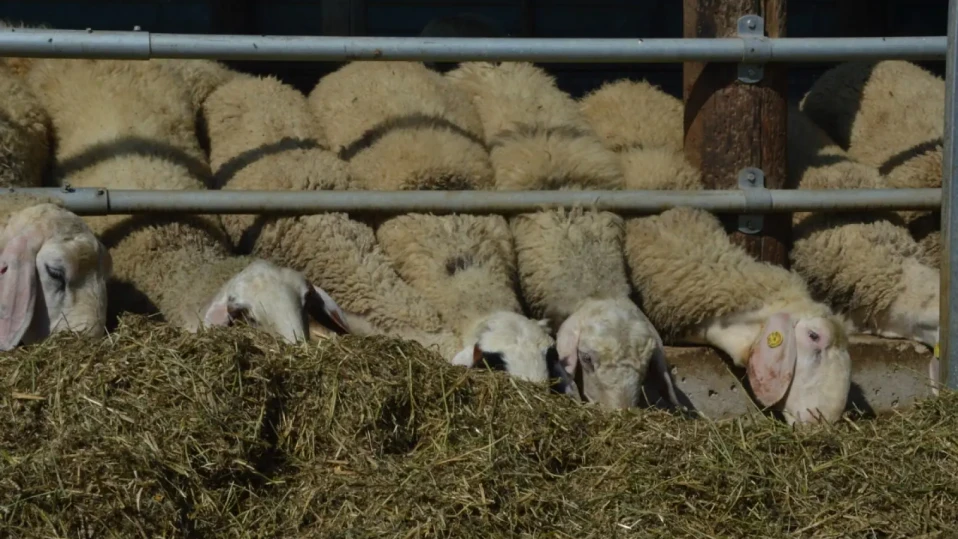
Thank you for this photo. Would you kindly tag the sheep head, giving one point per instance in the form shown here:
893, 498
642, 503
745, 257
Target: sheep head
510, 342
53, 276
801, 366
913, 314
279, 300
610, 343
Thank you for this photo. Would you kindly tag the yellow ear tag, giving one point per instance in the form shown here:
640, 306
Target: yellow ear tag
937, 351
774, 339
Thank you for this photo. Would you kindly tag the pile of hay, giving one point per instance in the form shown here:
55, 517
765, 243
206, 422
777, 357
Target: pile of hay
158, 433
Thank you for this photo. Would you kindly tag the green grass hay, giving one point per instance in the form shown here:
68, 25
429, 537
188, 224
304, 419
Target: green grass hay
153, 432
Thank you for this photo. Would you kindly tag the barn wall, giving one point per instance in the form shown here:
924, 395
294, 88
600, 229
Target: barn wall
539, 18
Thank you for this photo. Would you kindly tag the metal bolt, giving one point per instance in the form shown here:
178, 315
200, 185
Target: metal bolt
751, 24
136, 28
751, 72
750, 177
749, 225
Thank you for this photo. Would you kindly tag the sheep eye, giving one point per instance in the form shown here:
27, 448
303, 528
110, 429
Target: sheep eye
587, 360
57, 274
813, 336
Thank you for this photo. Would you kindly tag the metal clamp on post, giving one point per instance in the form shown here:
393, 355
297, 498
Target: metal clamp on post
758, 50
751, 180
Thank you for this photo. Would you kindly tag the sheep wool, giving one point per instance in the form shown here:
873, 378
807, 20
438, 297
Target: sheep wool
200, 77
856, 102
402, 126
644, 126
567, 257
19, 65
128, 125
463, 264
863, 266
537, 137
699, 288
263, 136
24, 134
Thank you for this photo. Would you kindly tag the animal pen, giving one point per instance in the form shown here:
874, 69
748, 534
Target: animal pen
734, 66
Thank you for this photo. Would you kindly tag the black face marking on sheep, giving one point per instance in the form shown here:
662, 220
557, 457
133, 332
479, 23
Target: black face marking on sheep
492, 361
459, 263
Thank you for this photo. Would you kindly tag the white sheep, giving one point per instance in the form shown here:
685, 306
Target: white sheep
865, 266
572, 270
201, 77
888, 115
405, 127
699, 288
644, 126
263, 136
537, 137
465, 266
401, 127
53, 272
571, 267
129, 125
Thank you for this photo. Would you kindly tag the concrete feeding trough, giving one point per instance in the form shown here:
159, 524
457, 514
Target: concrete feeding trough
887, 375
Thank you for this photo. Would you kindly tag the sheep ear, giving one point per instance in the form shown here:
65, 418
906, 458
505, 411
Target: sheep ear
217, 314
771, 365
476, 355
18, 288
223, 311
320, 305
467, 356
567, 344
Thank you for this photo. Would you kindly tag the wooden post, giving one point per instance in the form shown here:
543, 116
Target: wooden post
730, 125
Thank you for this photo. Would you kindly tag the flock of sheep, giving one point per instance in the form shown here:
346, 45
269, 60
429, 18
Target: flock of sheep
546, 295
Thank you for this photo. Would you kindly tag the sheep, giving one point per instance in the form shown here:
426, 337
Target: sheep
571, 268
699, 288
128, 125
200, 77
53, 272
855, 103
644, 126
263, 136
24, 134
573, 273
465, 266
406, 127
537, 137
402, 127
867, 267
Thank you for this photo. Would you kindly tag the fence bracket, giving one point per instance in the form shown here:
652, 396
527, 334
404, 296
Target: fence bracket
751, 180
752, 29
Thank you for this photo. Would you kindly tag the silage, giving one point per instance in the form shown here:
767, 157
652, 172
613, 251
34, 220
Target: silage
157, 433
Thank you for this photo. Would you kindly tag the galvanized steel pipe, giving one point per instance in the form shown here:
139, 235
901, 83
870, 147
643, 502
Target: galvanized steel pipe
103, 201
144, 45
948, 317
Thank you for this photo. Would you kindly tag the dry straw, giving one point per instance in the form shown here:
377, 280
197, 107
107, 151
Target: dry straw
157, 433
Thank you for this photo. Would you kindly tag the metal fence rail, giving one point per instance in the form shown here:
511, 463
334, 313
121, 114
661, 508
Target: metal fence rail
139, 45
90, 201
